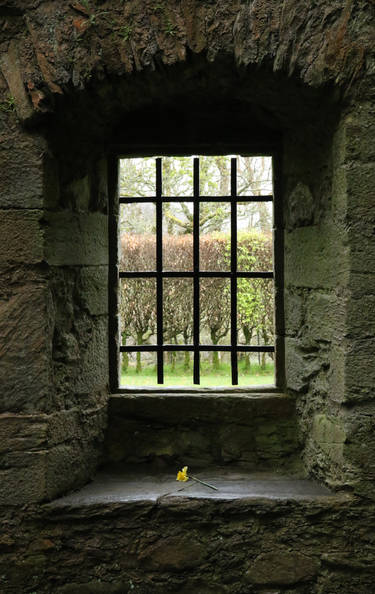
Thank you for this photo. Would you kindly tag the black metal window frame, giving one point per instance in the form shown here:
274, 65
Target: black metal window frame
115, 274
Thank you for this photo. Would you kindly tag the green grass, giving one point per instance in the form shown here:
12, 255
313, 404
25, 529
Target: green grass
219, 378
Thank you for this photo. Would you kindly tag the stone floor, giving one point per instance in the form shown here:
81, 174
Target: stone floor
123, 485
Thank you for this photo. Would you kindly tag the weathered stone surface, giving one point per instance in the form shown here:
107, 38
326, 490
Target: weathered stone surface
21, 170
11, 69
48, 454
188, 545
25, 348
138, 74
18, 433
73, 240
24, 236
304, 362
330, 436
94, 289
23, 482
315, 257
258, 432
175, 553
301, 206
282, 568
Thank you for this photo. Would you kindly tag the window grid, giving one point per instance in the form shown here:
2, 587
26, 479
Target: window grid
196, 274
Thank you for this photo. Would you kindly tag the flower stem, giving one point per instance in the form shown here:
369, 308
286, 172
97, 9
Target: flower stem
203, 483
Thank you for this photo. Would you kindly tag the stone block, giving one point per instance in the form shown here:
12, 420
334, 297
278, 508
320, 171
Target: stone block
303, 362
76, 240
22, 432
76, 424
336, 373
76, 195
301, 207
360, 285
359, 131
282, 568
176, 553
203, 430
21, 170
62, 449
21, 236
93, 287
25, 350
360, 315
315, 257
359, 370
325, 316
93, 361
330, 435
360, 190
359, 448
24, 482
12, 71
70, 465
294, 304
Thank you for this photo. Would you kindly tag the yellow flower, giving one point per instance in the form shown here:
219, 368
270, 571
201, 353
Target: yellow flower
182, 474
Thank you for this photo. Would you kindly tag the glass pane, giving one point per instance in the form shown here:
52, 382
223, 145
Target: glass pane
254, 216
178, 368
178, 236
254, 176
256, 369
214, 176
138, 369
177, 176
255, 311
178, 310
138, 311
254, 247
137, 177
215, 369
215, 238
137, 237
214, 310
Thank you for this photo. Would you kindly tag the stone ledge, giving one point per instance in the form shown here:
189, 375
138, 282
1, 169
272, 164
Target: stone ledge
145, 485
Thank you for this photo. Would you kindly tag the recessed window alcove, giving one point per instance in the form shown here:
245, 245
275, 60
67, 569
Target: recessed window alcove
88, 490
197, 108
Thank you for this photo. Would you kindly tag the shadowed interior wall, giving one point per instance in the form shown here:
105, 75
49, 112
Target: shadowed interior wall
76, 79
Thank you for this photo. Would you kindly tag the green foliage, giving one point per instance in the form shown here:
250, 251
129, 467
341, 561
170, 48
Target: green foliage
170, 28
178, 375
8, 105
125, 32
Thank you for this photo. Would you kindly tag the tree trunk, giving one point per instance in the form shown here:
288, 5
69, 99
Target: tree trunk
215, 354
124, 357
186, 353
247, 332
138, 367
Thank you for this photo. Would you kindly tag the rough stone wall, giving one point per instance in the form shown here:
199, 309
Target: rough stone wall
198, 546
75, 77
69, 73
253, 431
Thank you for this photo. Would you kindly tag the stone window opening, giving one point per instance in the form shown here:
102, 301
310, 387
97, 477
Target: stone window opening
76, 80
248, 268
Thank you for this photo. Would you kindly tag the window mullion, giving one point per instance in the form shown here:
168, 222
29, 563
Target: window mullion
196, 273
159, 270
233, 260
